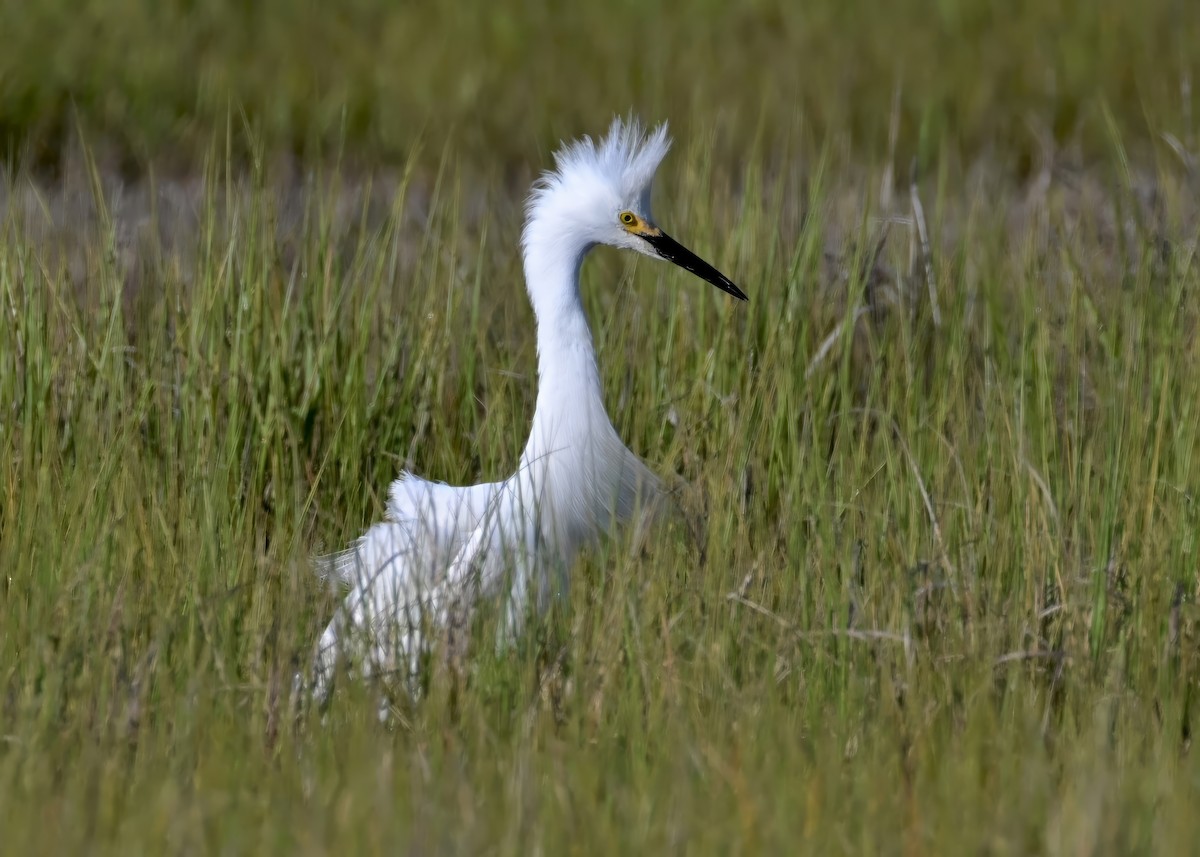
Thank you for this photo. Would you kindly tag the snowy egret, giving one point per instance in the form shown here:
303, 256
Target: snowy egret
442, 548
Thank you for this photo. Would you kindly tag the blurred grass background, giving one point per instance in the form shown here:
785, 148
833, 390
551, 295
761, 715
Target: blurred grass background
971, 77
937, 589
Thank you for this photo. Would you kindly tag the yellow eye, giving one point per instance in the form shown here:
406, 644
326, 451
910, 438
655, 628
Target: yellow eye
628, 218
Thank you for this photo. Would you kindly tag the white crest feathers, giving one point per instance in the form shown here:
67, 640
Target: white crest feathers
627, 155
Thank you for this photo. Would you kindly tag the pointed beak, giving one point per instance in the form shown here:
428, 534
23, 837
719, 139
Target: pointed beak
671, 250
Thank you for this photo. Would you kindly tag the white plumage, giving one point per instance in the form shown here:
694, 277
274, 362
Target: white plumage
441, 548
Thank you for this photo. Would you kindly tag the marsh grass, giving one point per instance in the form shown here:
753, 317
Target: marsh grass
932, 590
156, 79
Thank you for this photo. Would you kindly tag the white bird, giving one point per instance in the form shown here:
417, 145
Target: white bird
442, 548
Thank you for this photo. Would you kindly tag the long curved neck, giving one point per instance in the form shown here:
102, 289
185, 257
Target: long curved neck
574, 462
568, 379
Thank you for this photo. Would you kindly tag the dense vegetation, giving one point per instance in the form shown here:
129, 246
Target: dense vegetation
933, 585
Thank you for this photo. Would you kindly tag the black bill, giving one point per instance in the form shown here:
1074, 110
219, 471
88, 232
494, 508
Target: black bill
671, 250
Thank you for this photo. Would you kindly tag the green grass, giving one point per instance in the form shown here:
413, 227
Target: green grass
933, 591
153, 79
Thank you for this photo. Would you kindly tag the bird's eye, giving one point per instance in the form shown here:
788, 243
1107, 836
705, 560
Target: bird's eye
628, 218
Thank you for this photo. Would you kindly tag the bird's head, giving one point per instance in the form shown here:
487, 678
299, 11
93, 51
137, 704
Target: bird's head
599, 193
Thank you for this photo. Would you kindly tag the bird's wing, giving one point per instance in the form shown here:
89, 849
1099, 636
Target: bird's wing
425, 524
500, 557
396, 573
